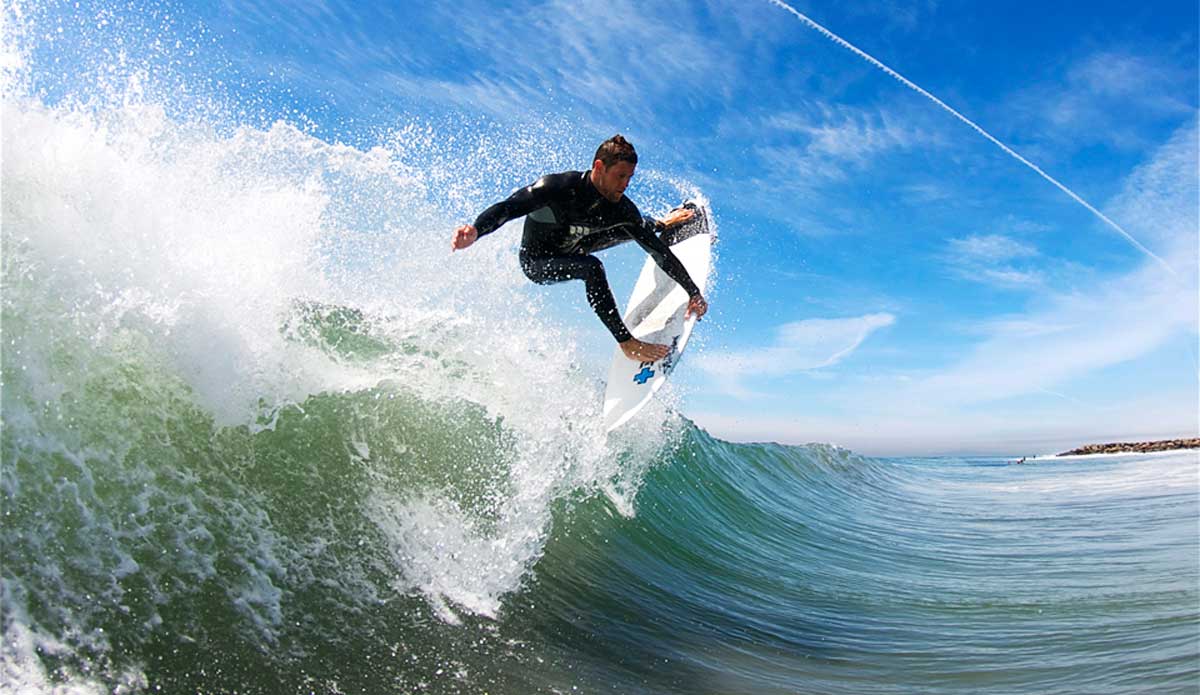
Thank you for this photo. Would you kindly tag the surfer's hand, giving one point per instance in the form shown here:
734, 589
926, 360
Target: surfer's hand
464, 236
696, 305
678, 216
638, 351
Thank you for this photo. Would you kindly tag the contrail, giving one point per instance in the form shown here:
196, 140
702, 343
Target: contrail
907, 83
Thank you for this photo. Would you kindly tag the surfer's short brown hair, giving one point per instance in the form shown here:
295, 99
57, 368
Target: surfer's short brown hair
616, 149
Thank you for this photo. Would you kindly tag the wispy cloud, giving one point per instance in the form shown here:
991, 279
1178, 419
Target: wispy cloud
1134, 81
925, 193
1097, 98
829, 143
604, 63
813, 152
992, 259
990, 248
799, 346
1070, 337
1122, 318
619, 60
1160, 199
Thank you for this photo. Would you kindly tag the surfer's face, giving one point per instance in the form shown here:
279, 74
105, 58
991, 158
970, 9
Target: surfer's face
611, 181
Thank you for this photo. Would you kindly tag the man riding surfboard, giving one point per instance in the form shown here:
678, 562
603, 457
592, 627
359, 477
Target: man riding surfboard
571, 215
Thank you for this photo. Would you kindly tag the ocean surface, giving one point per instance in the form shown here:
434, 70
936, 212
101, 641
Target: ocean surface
379, 541
261, 433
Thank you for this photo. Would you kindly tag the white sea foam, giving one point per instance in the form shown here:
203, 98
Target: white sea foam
190, 242
1097, 477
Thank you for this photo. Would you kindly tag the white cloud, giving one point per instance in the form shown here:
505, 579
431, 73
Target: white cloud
990, 248
799, 346
1010, 277
1139, 81
604, 64
1159, 201
616, 59
925, 193
992, 259
1100, 96
829, 142
1121, 319
804, 153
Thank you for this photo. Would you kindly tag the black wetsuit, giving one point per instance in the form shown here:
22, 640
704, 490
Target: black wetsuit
567, 220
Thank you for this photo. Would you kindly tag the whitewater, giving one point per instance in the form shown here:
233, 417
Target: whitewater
262, 433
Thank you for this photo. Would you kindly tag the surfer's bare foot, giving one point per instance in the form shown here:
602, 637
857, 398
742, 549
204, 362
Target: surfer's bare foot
639, 351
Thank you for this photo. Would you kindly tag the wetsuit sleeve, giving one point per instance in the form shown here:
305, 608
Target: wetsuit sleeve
524, 201
646, 235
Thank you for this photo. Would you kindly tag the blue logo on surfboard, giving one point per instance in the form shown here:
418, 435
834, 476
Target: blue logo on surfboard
646, 374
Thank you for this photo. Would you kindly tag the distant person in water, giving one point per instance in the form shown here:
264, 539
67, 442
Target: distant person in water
570, 216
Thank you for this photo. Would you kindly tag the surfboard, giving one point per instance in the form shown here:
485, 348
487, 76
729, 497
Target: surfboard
655, 314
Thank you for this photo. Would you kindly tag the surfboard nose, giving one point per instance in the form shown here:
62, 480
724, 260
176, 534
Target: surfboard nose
697, 225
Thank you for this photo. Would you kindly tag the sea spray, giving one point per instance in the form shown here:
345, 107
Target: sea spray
228, 436
252, 403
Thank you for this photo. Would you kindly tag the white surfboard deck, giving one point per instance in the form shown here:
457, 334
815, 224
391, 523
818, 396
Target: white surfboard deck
655, 314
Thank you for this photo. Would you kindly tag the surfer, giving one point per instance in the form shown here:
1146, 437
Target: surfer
570, 216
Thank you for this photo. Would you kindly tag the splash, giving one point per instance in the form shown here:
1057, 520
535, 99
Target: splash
235, 339
974, 126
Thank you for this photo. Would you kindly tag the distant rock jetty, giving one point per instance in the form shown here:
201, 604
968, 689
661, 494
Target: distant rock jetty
1134, 447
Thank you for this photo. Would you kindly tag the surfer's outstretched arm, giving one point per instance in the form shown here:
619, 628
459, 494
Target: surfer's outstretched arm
522, 202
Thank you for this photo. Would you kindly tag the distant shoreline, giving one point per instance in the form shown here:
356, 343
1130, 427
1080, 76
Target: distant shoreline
1134, 447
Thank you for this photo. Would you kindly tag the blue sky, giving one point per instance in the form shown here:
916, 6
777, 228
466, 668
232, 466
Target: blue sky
888, 278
